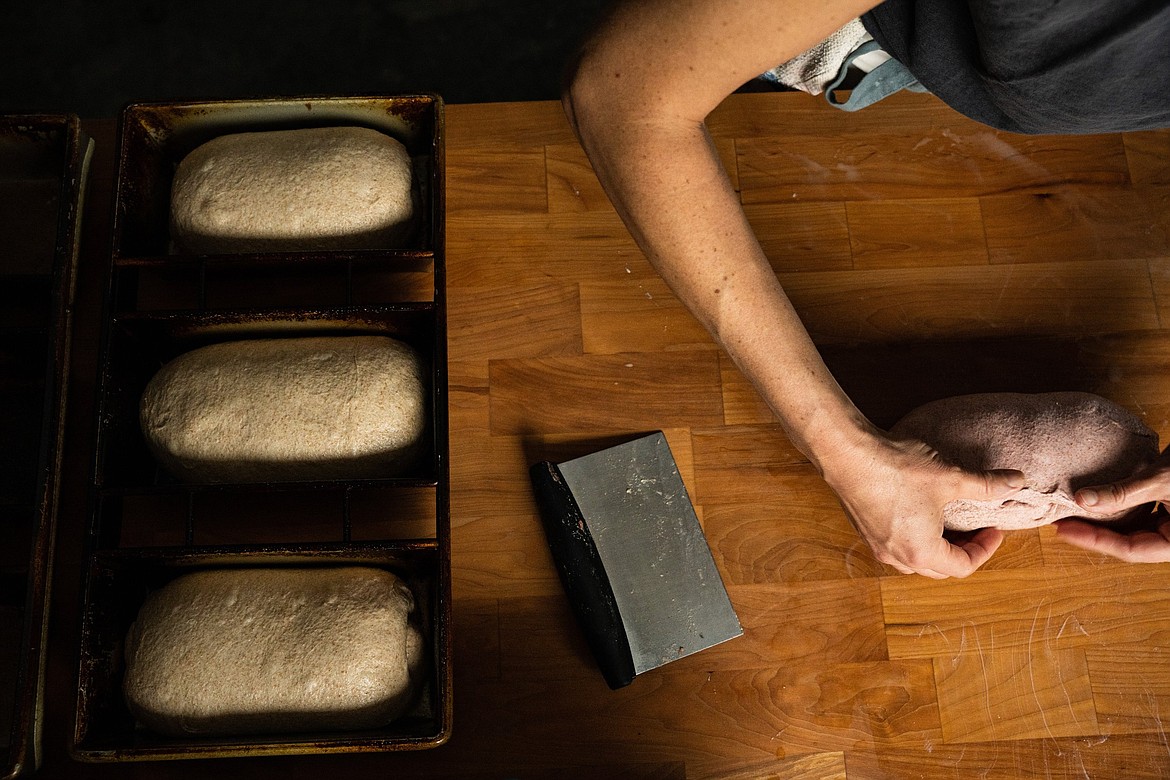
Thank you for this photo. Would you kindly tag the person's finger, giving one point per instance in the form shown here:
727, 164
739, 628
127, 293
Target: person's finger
943, 559
1118, 496
982, 546
988, 485
905, 568
934, 575
924, 572
1139, 547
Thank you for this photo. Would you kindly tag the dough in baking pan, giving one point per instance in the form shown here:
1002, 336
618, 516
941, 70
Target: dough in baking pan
288, 409
262, 650
325, 188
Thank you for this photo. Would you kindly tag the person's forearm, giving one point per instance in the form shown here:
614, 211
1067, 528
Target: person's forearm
666, 180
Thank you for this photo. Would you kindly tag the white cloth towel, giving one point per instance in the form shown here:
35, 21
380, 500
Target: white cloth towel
812, 71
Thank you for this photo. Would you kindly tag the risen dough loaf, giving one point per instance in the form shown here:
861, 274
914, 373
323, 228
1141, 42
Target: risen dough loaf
330, 407
1061, 441
289, 190
251, 650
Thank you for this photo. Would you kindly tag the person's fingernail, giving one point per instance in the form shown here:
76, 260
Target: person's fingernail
1015, 480
1088, 497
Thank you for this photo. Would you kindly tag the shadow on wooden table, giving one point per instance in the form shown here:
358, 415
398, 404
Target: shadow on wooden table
887, 380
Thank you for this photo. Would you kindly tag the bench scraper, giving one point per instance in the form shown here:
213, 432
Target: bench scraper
632, 557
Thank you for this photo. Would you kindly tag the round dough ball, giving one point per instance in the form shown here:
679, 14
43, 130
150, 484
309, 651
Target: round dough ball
256, 650
1061, 441
276, 410
293, 190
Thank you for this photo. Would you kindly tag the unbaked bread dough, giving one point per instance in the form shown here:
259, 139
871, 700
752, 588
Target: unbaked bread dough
1061, 441
293, 190
255, 650
261, 410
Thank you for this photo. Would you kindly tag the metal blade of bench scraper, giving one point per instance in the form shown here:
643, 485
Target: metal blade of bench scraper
668, 591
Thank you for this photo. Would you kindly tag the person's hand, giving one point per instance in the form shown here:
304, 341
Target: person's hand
894, 491
1144, 536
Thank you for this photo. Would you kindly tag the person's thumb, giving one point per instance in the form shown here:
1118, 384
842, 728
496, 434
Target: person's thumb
1119, 496
992, 485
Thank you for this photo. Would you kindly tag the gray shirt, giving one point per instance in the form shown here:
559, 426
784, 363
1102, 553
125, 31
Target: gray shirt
1037, 66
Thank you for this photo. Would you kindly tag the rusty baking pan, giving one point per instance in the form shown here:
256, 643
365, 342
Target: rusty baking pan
43, 165
155, 137
117, 583
272, 281
145, 524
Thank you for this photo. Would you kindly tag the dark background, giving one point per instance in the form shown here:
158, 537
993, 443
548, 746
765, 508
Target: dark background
92, 57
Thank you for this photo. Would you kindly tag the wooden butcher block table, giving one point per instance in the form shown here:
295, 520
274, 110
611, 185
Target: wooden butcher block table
928, 256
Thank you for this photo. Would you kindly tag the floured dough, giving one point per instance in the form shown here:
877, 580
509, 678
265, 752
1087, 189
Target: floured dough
1061, 441
328, 407
293, 190
254, 650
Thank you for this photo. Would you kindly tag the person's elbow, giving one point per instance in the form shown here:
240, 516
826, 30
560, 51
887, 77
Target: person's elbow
582, 95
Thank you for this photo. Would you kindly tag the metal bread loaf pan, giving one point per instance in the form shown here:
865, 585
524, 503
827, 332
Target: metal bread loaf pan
146, 525
155, 137
44, 162
116, 585
140, 344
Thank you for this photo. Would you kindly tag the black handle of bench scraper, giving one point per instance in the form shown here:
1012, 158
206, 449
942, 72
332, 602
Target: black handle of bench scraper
583, 574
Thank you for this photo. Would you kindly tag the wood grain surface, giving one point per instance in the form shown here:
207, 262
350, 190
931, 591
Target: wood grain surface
928, 256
